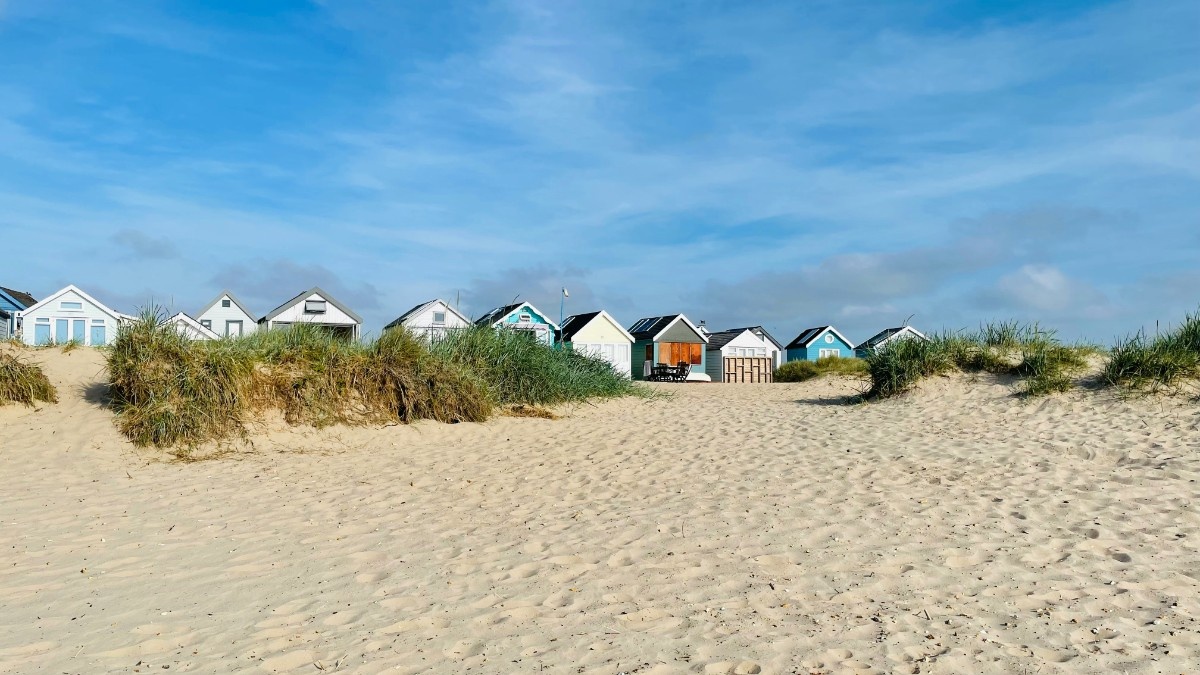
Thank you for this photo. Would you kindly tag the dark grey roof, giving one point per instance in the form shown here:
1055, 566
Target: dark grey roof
315, 289
501, 312
805, 337
880, 337
718, 340
647, 328
21, 297
497, 314
4, 314
883, 335
232, 298
575, 323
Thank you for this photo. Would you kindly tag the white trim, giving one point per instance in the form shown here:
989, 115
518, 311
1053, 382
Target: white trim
72, 288
814, 338
685, 320
518, 308
194, 325
611, 320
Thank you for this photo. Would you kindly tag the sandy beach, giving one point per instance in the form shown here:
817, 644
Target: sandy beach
723, 529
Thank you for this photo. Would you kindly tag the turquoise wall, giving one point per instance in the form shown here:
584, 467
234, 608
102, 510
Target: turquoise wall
814, 350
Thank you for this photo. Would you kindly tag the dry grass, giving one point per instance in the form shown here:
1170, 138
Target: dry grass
23, 382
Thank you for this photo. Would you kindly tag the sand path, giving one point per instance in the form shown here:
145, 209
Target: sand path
728, 529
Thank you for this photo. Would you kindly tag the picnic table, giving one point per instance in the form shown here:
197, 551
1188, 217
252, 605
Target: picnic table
665, 371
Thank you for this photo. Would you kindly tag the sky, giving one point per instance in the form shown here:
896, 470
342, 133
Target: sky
784, 164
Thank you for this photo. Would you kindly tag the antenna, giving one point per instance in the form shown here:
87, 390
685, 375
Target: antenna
910, 316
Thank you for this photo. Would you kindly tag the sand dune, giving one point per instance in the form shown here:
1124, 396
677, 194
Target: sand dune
727, 529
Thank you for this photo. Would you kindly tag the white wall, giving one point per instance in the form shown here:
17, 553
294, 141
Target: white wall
715, 366
603, 339
51, 312
219, 316
421, 323
332, 316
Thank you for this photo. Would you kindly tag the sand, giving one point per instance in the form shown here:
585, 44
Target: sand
727, 529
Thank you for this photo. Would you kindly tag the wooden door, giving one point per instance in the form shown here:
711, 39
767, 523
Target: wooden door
754, 369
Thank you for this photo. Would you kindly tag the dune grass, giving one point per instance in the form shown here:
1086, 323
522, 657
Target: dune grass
1042, 362
519, 370
800, 371
23, 382
1163, 363
173, 392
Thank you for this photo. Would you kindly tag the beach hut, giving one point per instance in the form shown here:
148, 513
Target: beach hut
886, 337
818, 343
742, 355
5, 320
521, 317
12, 302
598, 334
70, 315
226, 315
191, 328
432, 319
317, 308
668, 341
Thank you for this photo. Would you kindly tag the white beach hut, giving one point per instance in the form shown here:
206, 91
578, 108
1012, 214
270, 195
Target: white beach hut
598, 334
191, 328
432, 319
318, 308
228, 316
743, 355
70, 315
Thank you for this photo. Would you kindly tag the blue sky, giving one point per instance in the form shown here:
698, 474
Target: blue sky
785, 164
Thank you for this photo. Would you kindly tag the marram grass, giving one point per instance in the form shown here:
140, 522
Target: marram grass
22, 382
1163, 363
800, 371
170, 391
1043, 363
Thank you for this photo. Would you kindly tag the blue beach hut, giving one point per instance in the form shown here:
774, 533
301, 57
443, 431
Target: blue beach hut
818, 343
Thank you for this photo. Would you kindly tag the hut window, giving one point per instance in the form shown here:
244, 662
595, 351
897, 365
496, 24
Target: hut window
525, 317
225, 302
207, 323
314, 306
675, 352
829, 338
439, 317
71, 305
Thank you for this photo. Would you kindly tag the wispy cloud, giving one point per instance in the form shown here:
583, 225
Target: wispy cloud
768, 163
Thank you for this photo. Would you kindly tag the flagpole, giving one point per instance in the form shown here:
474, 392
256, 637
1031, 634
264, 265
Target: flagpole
562, 301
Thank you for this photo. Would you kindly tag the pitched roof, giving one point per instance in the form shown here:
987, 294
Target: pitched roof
651, 327
314, 290
71, 287
20, 297
718, 340
806, 337
887, 334
232, 298
195, 325
421, 307
496, 315
576, 322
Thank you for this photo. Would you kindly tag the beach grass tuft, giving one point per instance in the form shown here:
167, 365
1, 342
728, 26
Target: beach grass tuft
800, 371
23, 382
1161, 364
519, 370
1043, 363
170, 391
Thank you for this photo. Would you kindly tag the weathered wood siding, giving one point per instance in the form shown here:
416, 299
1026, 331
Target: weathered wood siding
747, 369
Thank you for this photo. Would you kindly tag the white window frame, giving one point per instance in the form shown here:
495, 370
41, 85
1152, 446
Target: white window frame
76, 305
441, 321
311, 307
829, 353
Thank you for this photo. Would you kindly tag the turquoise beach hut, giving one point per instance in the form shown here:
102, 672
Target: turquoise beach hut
819, 343
521, 317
